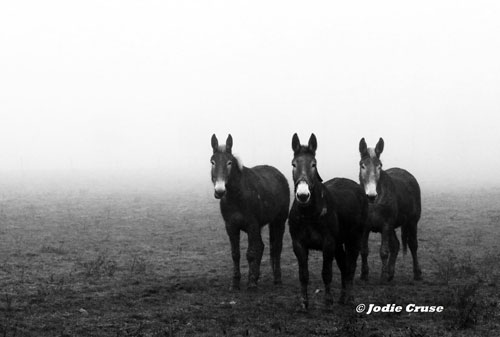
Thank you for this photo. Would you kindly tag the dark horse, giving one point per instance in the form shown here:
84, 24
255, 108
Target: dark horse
327, 217
394, 197
249, 199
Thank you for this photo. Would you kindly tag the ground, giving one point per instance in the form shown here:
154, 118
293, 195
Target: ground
130, 262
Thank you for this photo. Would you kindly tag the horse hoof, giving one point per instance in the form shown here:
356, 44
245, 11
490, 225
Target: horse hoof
364, 277
348, 300
385, 278
252, 286
342, 298
278, 282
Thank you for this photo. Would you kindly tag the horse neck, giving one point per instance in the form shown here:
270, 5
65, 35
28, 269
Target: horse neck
318, 199
385, 184
234, 182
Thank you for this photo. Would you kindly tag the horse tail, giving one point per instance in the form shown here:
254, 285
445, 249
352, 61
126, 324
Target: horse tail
404, 238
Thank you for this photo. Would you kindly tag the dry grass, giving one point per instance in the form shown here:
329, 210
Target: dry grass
148, 264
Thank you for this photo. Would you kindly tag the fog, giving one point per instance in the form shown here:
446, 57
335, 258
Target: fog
140, 86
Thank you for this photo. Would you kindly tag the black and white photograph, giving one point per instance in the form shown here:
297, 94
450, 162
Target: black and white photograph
249, 168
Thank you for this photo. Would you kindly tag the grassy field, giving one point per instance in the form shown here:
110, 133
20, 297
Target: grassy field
127, 262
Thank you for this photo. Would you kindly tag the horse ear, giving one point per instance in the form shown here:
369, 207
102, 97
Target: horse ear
215, 143
295, 143
229, 143
363, 148
313, 143
379, 147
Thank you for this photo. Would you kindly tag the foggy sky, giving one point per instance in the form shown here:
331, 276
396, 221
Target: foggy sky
134, 85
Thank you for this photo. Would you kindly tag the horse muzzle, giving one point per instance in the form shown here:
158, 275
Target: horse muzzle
302, 198
219, 189
219, 195
302, 194
372, 198
371, 191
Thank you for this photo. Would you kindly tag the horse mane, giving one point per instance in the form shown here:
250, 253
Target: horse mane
371, 152
222, 148
238, 161
304, 149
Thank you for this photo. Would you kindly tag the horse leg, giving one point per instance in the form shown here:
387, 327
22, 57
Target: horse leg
394, 250
340, 258
352, 252
364, 255
302, 254
276, 231
384, 253
413, 244
254, 254
234, 237
326, 272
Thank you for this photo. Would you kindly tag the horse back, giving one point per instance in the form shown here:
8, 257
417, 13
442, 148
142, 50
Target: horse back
407, 190
271, 181
266, 192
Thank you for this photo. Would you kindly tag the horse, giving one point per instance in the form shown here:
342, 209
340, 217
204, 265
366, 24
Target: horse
250, 198
394, 201
328, 217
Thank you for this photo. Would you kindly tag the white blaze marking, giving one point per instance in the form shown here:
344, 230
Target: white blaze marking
220, 186
302, 188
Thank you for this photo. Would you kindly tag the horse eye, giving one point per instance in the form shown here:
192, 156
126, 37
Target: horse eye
229, 163
213, 162
294, 165
313, 164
